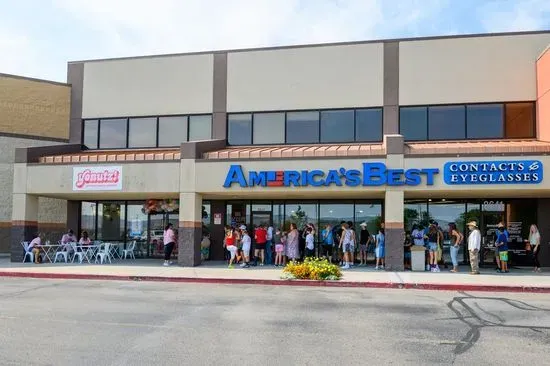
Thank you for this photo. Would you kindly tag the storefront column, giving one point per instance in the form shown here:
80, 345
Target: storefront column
394, 228
190, 229
24, 223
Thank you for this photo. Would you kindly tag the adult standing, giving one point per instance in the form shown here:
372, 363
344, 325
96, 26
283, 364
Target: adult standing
261, 240
328, 242
269, 246
534, 240
292, 245
456, 241
346, 244
433, 247
474, 246
364, 241
169, 241
230, 242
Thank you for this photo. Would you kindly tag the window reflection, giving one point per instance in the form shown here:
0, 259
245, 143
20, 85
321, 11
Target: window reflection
172, 131
520, 120
368, 125
239, 129
446, 123
413, 123
113, 134
337, 126
371, 213
200, 128
302, 127
269, 128
416, 212
300, 214
91, 131
88, 215
485, 121
111, 221
334, 214
142, 132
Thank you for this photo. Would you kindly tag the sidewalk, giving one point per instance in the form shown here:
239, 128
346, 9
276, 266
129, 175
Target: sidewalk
519, 280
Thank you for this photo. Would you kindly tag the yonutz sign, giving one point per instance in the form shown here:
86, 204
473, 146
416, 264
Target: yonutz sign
493, 172
371, 174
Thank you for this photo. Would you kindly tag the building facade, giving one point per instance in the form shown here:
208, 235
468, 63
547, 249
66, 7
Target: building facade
33, 113
398, 132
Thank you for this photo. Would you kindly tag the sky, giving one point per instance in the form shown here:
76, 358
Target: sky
39, 37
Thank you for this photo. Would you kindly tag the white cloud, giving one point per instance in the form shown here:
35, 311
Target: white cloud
17, 53
522, 16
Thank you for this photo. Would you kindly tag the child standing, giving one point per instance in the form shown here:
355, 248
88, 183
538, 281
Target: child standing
502, 245
310, 245
246, 242
280, 250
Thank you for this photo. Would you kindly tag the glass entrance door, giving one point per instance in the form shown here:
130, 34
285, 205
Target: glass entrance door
155, 233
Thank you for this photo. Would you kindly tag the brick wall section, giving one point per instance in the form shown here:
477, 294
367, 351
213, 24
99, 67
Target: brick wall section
33, 107
52, 213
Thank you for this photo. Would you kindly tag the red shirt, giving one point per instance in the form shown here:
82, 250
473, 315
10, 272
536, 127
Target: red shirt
230, 239
261, 236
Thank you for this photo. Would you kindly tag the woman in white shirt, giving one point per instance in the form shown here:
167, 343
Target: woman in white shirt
534, 240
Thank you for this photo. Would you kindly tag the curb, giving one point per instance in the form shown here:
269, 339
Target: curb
302, 283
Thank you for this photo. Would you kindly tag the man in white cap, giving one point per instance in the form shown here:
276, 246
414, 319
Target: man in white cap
474, 246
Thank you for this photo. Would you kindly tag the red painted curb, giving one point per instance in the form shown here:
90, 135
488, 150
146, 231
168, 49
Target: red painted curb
235, 281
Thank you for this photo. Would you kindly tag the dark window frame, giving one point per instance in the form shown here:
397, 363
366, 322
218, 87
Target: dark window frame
156, 117
319, 111
465, 105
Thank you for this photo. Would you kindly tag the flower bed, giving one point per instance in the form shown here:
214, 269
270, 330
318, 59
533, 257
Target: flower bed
312, 269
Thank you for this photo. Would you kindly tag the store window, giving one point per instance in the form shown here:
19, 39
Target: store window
142, 132
446, 123
371, 214
200, 128
302, 127
91, 133
88, 217
416, 213
337, 126
484, 121
520, 120
334, 214
172, 131
113, 133
239, 129
413, 123
137, 222
300, 214
111, 221
269, 128
368, 125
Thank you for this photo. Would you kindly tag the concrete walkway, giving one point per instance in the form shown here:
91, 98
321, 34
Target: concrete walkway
519, 280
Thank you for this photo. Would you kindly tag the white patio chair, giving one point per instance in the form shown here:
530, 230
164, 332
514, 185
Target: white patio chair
62, 253
78, 254
104, 254
129, 251
114, 251
28, 252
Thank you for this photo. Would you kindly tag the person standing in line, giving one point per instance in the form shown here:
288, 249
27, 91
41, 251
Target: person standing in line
418, 235
474, 246
433, 247
338, 239
269, 246
502, 244
280, 240
408, 243
345, 244
364, 241
169, 241
292, 243
380, 249
328, 242
230, 242
353, 243
456, 242
497, 248
534, 241
246, 243
310, 243
440, 256
261, 239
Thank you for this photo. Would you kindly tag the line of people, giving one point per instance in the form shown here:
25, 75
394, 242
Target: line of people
338, 245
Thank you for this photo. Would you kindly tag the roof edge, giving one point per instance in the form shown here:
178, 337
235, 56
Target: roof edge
20, 77
328, 44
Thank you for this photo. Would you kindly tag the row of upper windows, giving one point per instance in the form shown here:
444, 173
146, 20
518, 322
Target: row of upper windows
442, 122
145, 132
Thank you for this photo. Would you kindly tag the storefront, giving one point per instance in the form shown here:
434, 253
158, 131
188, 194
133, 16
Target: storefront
200, 193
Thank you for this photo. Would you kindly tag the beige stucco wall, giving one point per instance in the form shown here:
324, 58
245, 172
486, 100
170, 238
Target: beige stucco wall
36, 108
139, 180
148, 86
461, 70
302, 78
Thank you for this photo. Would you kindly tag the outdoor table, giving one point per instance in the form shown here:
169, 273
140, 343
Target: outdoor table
48, 249
89, 250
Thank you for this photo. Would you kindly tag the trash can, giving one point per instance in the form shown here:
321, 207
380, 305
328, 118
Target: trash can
418, 258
